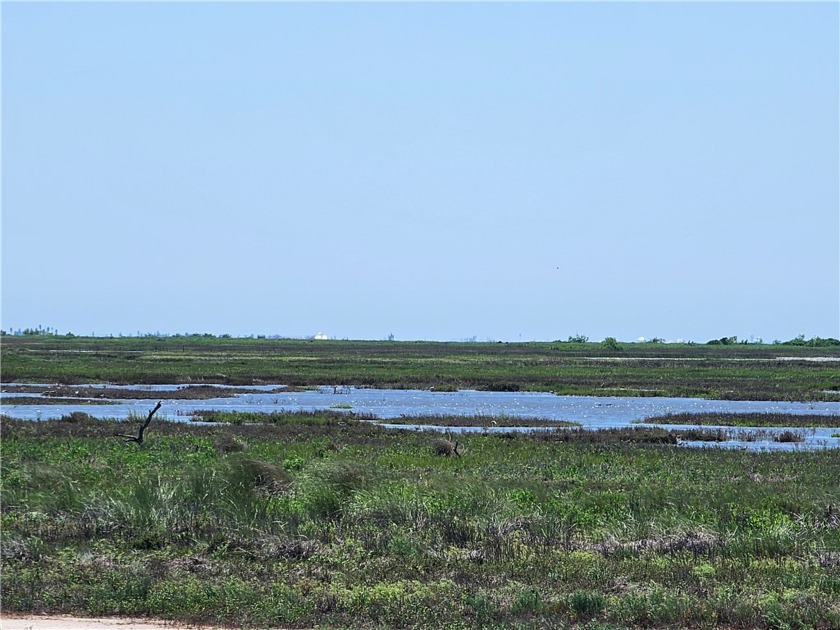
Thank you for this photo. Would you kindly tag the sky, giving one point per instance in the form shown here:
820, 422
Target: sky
440, 171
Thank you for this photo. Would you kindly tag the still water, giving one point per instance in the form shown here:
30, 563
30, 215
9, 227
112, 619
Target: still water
590, 411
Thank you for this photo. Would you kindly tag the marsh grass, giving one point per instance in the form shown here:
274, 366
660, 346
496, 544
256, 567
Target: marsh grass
748, 419
740, 372
481, 421
305, 522
300, 418
722, 435
342, 416
706, 435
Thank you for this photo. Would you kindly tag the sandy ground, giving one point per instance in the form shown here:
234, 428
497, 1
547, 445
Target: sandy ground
61, 622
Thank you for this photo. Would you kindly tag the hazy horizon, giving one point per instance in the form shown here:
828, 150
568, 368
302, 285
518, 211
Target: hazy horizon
439, 171
321, 336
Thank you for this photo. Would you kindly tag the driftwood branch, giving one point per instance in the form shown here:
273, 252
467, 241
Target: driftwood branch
139, 437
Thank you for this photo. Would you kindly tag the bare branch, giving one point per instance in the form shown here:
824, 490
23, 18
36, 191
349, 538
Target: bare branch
139, 437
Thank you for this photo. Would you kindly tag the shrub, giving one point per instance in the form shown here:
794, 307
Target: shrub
445, 448
76, 416
611, 343
247, 473
788, 436
723, 341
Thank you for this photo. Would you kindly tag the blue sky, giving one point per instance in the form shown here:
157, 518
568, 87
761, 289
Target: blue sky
427, 170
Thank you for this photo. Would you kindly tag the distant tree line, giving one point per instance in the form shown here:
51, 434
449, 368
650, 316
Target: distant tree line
813, 342
725, 341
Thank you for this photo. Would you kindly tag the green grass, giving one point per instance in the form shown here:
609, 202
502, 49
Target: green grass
320, 521
747, 372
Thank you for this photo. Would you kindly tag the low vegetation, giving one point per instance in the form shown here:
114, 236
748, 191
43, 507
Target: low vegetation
341, 419
500, 423
324, 520
724, 371
185, 392
482, 422
748, 419
298, 418
722, 435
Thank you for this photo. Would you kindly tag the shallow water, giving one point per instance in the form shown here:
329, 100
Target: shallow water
590, 411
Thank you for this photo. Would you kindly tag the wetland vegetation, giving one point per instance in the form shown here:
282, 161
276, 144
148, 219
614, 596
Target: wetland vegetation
748, 419
285, 417
325, 520
185, 392
14, 394
328, 519
722, 371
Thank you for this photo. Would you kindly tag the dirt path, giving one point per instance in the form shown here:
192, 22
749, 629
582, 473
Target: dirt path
62, 622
